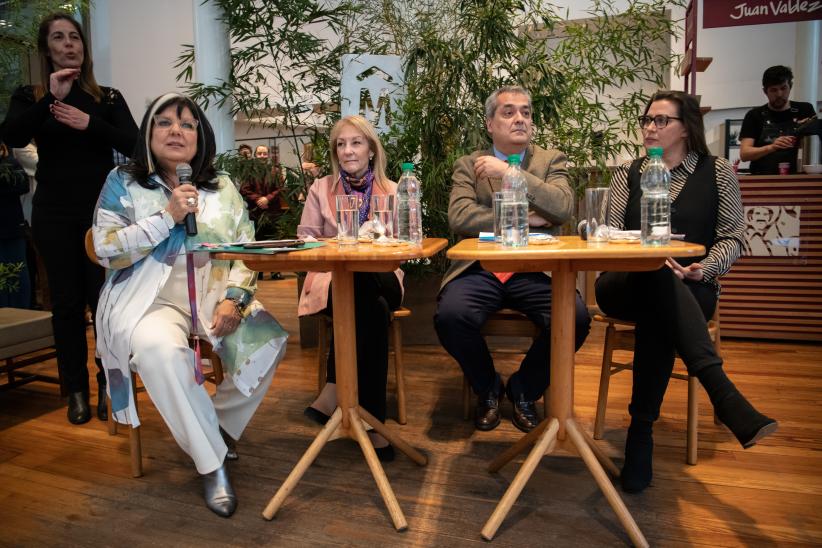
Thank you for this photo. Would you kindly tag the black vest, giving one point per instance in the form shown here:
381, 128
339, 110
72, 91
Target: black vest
694, 211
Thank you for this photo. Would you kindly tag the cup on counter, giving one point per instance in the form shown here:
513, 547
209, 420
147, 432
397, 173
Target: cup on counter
596, 215
499, 197
784, 168
348, 219
383, 215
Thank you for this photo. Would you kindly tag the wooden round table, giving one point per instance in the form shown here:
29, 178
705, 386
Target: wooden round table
342, 262
559, 430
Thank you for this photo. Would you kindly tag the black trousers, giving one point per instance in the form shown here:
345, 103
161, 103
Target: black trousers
671, 317
376, 294
465, 304
74, 282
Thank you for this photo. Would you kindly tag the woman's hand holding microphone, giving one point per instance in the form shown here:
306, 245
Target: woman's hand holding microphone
182, 202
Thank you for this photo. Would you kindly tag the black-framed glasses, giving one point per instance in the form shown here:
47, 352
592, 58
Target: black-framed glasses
660, 120
166, 123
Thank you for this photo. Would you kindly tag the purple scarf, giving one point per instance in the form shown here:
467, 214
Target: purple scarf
361, 188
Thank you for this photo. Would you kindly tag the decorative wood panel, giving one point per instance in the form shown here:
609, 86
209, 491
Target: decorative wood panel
778, 297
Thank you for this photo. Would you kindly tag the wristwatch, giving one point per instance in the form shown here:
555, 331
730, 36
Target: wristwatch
240, 298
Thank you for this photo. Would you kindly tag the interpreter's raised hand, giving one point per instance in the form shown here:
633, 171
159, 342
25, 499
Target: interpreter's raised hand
226, 319
71, 116
784, 141
489, 166
60, 81
691, 272
183, 201
262, 202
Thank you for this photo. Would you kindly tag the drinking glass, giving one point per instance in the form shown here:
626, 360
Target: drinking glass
348, 219
596, 214
499, 197
383, 216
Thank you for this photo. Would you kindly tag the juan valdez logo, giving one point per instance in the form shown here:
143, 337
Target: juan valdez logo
727, 13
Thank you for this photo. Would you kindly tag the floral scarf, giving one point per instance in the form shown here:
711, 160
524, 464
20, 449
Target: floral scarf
361, 188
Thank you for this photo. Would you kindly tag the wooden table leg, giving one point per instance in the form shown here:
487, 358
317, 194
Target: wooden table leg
392, 437
547, 438
345, 340
563, 319
605, 484
303, 464
400, 524
603, 459
518, 447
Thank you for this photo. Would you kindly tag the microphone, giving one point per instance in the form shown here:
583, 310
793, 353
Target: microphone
184, 176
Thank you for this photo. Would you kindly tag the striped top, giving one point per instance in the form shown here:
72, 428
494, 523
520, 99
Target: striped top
730, 223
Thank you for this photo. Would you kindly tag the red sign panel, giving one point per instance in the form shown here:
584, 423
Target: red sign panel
733, 13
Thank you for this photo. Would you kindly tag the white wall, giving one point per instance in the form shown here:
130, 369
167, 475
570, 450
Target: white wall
135, 45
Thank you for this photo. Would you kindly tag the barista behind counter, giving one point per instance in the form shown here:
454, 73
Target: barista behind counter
768, 135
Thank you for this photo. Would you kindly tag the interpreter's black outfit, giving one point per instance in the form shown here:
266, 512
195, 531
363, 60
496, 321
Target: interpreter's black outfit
764, 125
376, 295
72, 168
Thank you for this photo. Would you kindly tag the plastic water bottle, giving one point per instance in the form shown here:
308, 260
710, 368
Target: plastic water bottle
514, 212
408, 206
656, 201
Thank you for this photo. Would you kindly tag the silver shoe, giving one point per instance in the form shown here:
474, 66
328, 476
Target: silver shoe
231, 444
219, 495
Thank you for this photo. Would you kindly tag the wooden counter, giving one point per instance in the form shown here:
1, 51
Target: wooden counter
774, 290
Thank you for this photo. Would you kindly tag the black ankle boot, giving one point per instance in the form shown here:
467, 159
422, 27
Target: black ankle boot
746, 423
78, 409
639, 452
102, 408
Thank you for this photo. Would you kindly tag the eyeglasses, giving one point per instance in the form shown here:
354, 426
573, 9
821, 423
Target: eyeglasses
660, 120
166, 123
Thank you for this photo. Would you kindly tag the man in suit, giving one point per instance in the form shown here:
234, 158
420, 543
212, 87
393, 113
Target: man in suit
469, 294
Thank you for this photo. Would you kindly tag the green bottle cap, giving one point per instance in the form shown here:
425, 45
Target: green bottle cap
407, 166
655, 151
513, 159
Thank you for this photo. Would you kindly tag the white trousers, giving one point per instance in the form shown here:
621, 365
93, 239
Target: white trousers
165, 363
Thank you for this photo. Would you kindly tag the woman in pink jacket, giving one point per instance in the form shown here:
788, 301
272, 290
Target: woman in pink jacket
358, 167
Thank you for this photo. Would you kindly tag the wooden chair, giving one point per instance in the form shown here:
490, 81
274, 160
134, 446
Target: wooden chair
619, 335
505, 323
26, 338
324, 324
213, 370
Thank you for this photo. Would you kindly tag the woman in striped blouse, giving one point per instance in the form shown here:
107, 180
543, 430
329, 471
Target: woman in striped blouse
671, 305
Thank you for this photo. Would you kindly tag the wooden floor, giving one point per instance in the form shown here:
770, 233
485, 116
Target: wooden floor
71, 485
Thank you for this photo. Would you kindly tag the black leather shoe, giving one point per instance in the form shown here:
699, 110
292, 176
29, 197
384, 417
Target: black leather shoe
487, 416
78, 408
231, 443
102, 408
524, 415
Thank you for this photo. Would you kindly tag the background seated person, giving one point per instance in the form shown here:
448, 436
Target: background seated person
469, 294
145, 317
358, 168
671, 305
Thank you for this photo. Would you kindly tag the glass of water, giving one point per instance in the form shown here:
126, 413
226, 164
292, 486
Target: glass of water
348, 219
383, 217
499, 197
514, 214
